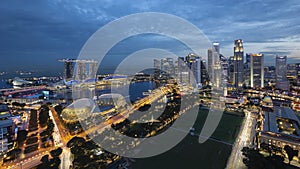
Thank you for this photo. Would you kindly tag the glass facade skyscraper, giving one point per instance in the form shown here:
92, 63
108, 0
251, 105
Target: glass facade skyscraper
257, 70
238, 73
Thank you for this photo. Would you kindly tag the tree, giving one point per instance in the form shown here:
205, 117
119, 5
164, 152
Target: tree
58, 109
21, 136
54, 162
50, 127
44, 116
290, 152
45, 159
253, 159
56, 153
75, 141
266, 147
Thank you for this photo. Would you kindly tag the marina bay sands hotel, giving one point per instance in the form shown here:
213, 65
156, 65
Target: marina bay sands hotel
79, 69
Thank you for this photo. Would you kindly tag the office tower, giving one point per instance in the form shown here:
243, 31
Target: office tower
210, 63
216, 47
183, 71
204, 73
238, 78
281, 72
214, 65
270, 75
247, 68
257, 70
224, 70
281, 68
216, 81
165, 67
194, 64
230, 69
171, 70
157, 67
176, 69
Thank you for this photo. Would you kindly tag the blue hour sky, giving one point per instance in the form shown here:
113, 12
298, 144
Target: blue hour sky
34, 34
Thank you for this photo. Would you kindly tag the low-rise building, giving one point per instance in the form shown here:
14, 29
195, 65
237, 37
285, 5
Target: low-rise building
6, 129
280, 128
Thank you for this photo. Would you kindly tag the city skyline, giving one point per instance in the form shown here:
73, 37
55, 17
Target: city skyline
48, 31
149, 84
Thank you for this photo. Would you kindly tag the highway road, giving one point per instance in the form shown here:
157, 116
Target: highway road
244, 139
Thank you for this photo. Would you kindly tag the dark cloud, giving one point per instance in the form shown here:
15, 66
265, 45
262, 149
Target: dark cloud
40, 32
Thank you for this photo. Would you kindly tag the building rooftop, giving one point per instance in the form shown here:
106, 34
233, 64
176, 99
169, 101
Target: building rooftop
3, 107
6, 123
282, 121
4, 114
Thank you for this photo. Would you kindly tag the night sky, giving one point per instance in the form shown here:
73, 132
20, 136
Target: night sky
34, 34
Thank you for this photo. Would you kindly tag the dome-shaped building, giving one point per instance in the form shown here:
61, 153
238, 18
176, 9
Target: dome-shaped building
267, 102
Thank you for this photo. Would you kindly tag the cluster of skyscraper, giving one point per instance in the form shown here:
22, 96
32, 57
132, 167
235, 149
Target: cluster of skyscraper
251, 72
234, 71
189, 70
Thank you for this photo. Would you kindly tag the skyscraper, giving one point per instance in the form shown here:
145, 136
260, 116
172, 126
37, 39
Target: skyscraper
194, 63
204, 73
210, 63
92, 70
183, 72
281, 68
80, 71
257, 70
157, 67
238, 77
167, 67
223, 71
247, 67
281, 73
230, 69
214, 65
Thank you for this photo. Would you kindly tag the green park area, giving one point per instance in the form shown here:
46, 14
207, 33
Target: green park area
189, 153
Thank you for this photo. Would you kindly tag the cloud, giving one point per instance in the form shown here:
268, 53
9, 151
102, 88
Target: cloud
48, 30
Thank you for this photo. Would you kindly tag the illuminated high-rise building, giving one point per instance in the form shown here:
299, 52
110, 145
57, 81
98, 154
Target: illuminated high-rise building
257, 70
230, 69
247, 67
93, 67
281, 73
79, 69
204, 73
210, 62
157, 67
194, 64
68, 69
238, 77
281, 68
183, 72
214, 65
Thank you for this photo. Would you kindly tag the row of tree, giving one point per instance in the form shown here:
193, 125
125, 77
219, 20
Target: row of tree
51, 163
255, 160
